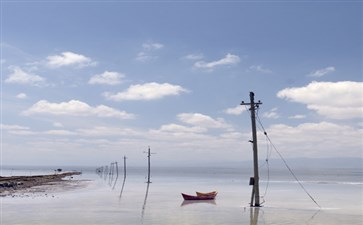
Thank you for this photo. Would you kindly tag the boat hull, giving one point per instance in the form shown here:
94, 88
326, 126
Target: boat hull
196, 198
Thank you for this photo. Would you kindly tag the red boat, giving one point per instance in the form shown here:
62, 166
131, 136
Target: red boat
193, 197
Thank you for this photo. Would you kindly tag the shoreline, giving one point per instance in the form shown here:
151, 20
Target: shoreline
20, 185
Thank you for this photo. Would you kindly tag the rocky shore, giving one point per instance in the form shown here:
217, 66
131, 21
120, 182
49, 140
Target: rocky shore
39, 183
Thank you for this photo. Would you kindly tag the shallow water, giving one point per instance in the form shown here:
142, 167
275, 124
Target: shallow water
160, 202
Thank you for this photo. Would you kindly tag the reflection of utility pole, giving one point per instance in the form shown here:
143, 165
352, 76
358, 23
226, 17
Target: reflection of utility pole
254, 216
123, 183
255, 181
148, 156
116, 168
144, 205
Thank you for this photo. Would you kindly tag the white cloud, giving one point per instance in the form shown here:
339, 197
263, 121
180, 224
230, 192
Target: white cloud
175, 128
272, 114
19, 76
144, 57
57, 124
197, 119
101, 131
60, 132
297, 116
150, 46
322, 72
236, 110
147, 54
13, 127
260, 69
21, 96
339, 100
322, 139
110, 78
69, 59
16, 129
194, 57
147, 91
75, 108
229, 59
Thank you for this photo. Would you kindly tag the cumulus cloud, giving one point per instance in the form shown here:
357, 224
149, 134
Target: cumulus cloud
197, 119
147, 91
272, 114
322, 72
109, 78
69, 59
229, 59
236, 110
75, 108
19, 76
336, 100
21, 96
317, 139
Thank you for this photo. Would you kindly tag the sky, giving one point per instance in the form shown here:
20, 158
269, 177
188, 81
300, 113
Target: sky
87, 82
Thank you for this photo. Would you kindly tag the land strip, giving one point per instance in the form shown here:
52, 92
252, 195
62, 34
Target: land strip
38, 183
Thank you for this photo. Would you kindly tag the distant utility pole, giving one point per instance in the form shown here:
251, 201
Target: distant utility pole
125, 166
255, 181
148, 156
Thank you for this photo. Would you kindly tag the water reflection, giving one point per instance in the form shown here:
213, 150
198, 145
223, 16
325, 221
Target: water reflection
144, 205
189, 202
254, 213
284, 216
123, 185
116, 177
312, 217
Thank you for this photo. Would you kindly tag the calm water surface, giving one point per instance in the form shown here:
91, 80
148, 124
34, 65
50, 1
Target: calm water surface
107, 200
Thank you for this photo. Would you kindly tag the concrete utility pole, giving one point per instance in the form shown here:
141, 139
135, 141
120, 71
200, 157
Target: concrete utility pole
148, 156
255, 181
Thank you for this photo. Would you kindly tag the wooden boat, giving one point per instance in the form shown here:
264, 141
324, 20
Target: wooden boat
213, 193
193, 197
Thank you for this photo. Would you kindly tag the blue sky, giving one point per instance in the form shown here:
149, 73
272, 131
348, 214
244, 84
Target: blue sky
86, 82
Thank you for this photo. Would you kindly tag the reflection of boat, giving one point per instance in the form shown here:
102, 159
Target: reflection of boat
193, 197
213, 193
186, 202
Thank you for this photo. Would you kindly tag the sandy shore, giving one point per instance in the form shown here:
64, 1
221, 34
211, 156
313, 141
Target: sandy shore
40, 184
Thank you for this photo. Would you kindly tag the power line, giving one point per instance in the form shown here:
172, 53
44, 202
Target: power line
284, 161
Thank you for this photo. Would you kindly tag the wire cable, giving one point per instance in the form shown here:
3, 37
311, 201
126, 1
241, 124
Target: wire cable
287, 166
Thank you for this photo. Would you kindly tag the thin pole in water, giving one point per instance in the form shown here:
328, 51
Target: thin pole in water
124, 166
148, 156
